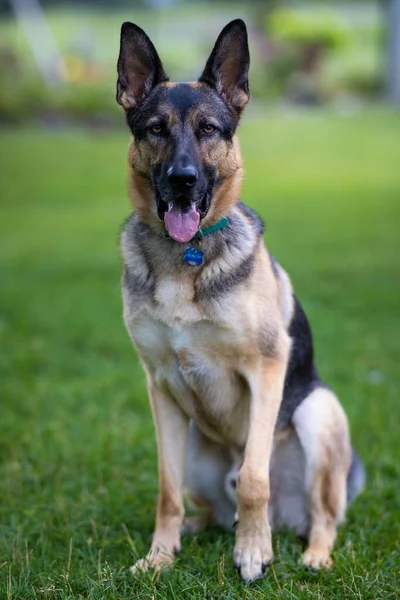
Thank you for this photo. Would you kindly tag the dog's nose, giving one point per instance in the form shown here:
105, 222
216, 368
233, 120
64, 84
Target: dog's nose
181, 177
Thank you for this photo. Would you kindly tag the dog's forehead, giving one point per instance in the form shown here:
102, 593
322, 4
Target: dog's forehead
183, 97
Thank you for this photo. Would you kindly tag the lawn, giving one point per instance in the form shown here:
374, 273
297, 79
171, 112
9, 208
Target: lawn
77, 451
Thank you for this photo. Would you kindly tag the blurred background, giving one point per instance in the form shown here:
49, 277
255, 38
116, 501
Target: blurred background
57, 58
321, 146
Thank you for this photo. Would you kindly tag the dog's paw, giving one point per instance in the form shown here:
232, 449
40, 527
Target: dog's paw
155, 560
317, 559
252, 555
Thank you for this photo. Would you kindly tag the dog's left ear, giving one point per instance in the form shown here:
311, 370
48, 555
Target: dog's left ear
227, 68
139, 67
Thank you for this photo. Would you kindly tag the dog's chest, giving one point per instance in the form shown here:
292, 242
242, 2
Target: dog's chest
174, 302
194, 359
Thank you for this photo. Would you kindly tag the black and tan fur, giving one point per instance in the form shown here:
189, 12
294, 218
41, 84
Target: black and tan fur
242, 418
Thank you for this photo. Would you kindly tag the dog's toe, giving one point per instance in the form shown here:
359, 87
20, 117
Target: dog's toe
265, 565
317, 559
154, 561
252, 556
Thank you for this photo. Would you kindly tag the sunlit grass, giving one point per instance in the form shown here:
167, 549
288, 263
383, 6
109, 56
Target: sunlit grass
78, 461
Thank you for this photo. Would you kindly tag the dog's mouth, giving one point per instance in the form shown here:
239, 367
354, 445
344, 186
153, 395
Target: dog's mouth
182, 222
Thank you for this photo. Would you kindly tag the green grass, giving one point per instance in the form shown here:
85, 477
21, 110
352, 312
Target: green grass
77, 452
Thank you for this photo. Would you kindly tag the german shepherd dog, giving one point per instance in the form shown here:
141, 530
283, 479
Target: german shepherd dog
243, 422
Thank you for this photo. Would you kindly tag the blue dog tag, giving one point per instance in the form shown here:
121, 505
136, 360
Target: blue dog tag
193, 257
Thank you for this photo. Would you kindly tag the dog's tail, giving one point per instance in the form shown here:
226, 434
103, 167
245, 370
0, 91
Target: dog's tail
355, 478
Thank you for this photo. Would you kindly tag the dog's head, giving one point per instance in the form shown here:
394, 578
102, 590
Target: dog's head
184, 158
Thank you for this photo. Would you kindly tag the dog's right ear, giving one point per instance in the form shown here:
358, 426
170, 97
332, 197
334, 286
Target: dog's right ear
139, 67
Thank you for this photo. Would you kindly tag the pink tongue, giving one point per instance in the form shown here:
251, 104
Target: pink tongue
180, 225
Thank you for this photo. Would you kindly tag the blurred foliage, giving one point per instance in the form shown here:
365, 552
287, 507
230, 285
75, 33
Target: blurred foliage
22, 92
307, 54
6, 8
24, 96
317, 55
323, 27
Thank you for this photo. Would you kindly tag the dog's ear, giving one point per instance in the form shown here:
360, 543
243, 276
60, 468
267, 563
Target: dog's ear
228, 65
139, 67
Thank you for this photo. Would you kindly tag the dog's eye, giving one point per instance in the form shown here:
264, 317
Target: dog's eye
156, 129
209, 129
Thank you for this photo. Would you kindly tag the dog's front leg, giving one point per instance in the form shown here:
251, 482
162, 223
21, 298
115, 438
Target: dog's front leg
171, 430
253, 548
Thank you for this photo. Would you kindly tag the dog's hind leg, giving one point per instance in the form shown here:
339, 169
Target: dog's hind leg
207, 465
322, 429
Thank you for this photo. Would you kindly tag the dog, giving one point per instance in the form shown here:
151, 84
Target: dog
243, 422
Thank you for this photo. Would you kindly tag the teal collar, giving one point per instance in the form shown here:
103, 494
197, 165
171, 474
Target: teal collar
195, 256
219, 225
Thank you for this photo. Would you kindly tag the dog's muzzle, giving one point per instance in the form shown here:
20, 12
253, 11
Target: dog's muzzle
182, 201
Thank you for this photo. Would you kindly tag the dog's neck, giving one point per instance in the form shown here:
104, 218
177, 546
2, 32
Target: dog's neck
237, 238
